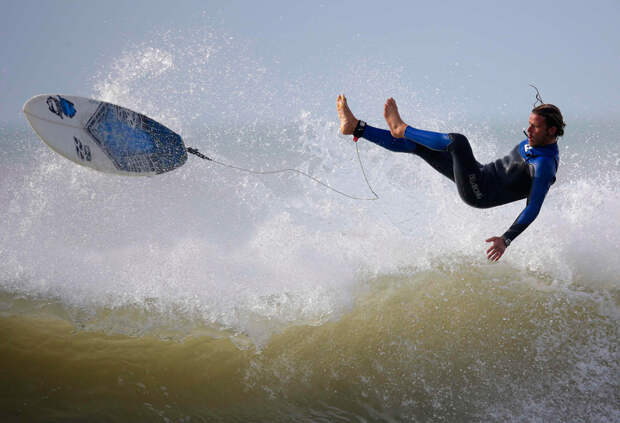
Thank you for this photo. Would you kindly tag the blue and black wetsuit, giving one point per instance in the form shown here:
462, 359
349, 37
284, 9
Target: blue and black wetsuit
527, 172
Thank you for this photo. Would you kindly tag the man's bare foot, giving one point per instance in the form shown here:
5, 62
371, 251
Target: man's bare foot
348, 122
395, 123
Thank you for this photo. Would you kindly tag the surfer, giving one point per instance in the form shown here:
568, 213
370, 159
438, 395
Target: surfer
526, 172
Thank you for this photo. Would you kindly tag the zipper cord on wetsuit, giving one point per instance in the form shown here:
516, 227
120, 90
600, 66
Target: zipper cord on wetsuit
197, 153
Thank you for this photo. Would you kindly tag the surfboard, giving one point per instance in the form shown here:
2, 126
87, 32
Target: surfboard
104, 136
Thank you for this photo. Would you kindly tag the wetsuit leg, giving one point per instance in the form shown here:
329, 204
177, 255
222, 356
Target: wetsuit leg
433, 140
459, 164
456, 161
386, 140
468, 174
439, 160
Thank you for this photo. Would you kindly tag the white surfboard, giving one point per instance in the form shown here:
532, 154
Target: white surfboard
104, 136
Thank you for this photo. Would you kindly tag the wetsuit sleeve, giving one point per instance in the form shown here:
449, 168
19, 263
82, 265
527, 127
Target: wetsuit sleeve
544, 172
385, 139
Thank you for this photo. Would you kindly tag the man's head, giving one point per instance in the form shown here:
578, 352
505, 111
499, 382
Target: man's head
546, 125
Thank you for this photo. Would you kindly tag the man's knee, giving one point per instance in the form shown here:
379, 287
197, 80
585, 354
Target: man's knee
458, 143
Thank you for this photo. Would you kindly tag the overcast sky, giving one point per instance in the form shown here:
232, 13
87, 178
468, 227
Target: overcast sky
481, 53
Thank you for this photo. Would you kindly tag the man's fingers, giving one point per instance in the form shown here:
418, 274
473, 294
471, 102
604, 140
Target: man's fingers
494, 255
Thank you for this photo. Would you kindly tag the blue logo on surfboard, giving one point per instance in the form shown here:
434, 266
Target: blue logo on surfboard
61, 106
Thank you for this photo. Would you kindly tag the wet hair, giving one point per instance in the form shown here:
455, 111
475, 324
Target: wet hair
553, 117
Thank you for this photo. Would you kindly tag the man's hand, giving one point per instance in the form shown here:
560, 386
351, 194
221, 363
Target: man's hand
497, 249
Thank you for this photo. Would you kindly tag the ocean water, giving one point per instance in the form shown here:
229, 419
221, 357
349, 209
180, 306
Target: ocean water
208, 294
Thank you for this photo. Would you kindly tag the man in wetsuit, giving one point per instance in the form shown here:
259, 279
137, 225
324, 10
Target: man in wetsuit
527, 172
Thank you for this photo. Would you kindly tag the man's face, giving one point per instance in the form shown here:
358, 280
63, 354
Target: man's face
537, 133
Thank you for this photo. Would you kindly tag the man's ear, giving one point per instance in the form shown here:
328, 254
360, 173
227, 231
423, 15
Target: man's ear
553, 130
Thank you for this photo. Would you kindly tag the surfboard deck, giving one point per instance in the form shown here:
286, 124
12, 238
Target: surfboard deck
104, 136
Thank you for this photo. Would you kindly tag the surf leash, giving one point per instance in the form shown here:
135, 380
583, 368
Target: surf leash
197, 153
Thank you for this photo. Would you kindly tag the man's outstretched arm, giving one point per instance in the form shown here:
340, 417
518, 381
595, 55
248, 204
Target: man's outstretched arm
540, 186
